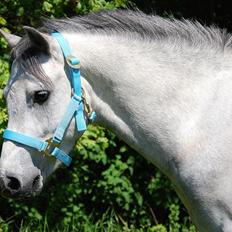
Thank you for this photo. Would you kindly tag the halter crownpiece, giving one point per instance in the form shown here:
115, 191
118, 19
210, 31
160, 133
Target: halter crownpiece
77, 108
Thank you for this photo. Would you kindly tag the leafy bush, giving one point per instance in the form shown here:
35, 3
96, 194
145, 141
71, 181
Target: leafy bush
108, 182
4, 73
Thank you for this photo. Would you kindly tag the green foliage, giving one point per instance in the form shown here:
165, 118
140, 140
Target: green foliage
109, 187
4, 226
86, 6
4, 73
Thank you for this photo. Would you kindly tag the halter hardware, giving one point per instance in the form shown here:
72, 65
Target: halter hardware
78, 108
51, 145
73, 62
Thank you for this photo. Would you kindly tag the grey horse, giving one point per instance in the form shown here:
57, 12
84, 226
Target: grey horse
164, 86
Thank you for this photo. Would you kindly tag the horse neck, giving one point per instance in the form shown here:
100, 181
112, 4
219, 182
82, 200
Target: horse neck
109, 67
172, 105
145, 91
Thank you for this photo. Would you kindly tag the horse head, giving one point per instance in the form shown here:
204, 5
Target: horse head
37, 94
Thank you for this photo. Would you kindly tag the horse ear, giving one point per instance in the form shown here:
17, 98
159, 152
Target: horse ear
10, 38
38, 39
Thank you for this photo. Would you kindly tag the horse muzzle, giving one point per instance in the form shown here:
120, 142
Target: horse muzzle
18, 186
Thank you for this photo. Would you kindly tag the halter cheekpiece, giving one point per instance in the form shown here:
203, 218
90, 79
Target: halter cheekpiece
76, 109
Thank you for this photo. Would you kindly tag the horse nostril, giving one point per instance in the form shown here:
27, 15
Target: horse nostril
36, 181
13, 183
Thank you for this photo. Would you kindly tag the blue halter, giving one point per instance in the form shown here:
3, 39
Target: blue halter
75, 109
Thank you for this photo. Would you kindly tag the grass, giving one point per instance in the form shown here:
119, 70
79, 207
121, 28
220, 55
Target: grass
109, 222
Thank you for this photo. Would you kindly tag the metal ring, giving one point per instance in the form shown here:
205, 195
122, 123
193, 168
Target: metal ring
69, 62
50, 146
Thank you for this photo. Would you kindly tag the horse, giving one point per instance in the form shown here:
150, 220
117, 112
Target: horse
162, 85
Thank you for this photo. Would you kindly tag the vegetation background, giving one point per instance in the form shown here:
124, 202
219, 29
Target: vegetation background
109, 187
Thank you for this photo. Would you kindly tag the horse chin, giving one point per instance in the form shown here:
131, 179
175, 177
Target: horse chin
18, 196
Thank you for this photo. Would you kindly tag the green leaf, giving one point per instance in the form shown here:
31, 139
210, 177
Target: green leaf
2, 21
47, 7
20, 12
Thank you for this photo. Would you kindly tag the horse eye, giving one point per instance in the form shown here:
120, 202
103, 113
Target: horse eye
41, 96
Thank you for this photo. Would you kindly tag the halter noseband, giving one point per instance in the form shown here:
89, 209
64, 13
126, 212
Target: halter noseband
76, 109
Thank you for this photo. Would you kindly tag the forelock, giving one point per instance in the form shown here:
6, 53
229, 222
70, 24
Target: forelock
27, 55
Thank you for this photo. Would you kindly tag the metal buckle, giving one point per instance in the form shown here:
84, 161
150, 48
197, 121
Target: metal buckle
50, 147
87, 107
69, 62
